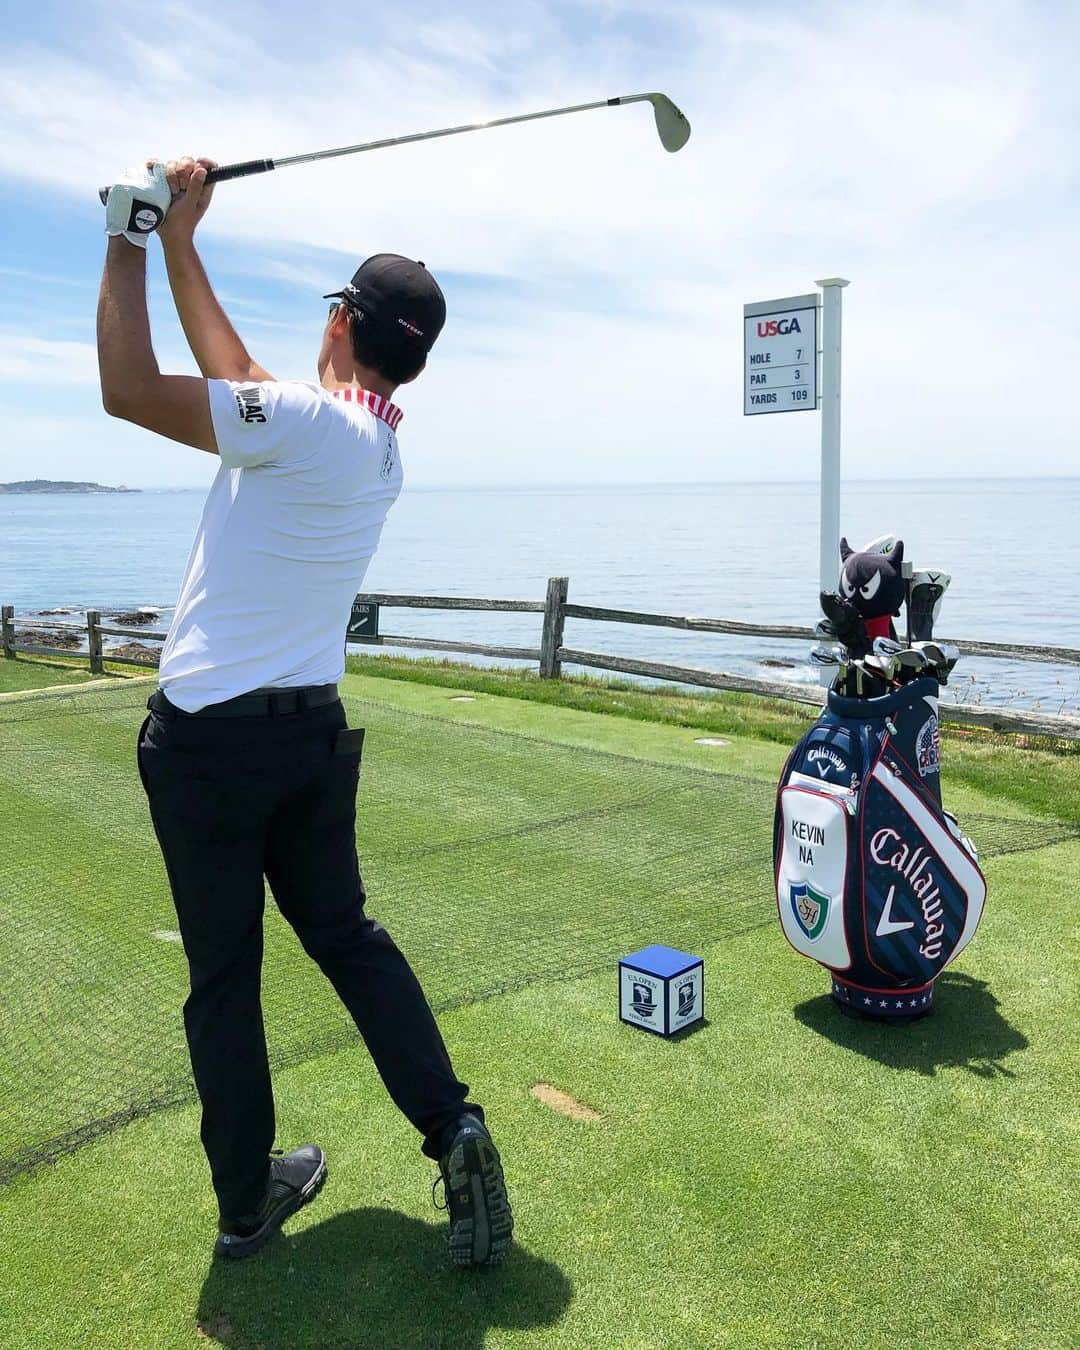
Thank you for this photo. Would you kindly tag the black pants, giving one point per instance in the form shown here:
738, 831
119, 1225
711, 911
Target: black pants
236, 799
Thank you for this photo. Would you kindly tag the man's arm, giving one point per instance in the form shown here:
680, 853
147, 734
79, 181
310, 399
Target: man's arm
214, 342
132, 386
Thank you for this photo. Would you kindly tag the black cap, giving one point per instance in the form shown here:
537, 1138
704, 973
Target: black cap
399, 298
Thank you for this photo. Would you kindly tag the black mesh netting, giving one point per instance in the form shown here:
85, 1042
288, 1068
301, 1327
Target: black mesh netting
495, 860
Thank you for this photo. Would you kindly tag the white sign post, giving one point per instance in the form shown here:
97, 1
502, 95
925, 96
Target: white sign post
831, 313
780, 374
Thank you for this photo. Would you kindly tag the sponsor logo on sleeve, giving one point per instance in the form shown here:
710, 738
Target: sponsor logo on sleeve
249, 405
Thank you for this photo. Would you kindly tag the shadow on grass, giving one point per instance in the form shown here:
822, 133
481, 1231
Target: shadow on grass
373, 1278
965, 1031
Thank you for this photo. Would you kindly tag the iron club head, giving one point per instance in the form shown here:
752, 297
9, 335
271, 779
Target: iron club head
940, 657
886, 650
910, 662
671, 123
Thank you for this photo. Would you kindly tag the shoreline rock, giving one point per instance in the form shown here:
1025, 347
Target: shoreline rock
61, 641
134, 651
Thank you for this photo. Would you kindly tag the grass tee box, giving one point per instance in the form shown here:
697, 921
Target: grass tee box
661, 989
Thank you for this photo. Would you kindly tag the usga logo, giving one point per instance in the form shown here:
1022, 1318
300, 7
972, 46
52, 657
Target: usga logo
778, 327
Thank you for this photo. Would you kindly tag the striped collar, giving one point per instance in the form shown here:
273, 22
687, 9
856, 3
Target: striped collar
381, 407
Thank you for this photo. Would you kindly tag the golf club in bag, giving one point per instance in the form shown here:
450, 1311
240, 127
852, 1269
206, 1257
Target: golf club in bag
874, 879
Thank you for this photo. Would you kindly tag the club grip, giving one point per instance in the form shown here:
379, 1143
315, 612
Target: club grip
219, 175
249, 166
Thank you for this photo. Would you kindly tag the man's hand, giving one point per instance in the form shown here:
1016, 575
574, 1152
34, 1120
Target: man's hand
137, 203
191, 195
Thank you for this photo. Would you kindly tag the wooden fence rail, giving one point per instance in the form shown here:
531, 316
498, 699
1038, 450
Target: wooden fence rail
552, 654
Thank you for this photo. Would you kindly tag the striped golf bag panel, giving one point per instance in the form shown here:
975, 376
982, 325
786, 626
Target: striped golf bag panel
873, 880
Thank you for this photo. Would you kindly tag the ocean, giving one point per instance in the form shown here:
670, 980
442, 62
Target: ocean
743, 551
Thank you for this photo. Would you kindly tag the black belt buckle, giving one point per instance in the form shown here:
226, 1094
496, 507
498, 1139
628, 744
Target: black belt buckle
283, 702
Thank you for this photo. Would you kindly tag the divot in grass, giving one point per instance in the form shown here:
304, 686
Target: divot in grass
562, 1102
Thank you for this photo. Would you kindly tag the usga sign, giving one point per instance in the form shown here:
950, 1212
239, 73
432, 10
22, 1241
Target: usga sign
780, 344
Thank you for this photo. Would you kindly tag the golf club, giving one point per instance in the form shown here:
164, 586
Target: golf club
671, 124
910, 663
886, 650
941, 657
826, 656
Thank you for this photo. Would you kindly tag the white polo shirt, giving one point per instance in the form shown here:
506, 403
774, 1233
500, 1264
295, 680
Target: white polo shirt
287, 531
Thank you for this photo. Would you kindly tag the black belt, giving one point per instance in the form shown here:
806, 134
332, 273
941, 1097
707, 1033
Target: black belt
259, 703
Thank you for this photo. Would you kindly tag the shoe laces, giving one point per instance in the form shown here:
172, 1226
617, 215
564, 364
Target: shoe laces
440, 1180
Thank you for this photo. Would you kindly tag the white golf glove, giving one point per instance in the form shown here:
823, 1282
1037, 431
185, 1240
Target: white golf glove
137, 204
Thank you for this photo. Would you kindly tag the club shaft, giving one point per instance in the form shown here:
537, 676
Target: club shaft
447, 131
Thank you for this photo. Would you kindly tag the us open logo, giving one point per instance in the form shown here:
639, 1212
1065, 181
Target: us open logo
643, 1002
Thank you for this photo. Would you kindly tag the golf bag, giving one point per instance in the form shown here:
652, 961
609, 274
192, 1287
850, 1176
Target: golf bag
873, 879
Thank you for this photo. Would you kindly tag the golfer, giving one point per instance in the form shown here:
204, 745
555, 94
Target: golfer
246, 759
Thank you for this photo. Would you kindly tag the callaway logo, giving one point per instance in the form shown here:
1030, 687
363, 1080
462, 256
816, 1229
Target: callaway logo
249, 406
824, 757
889, 850
886, 924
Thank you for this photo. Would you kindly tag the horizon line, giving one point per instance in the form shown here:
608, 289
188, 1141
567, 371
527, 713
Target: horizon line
679, 483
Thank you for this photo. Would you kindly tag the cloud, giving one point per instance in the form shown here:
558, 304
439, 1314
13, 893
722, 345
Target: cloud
924, 151
27, 359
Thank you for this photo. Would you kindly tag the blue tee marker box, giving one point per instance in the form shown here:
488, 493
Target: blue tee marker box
661, 989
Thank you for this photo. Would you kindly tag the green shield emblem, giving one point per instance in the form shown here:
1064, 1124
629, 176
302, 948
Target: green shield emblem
811, 909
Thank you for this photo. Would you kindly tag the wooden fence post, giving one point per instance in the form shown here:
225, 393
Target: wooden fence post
93, 629
551, 639
7, 614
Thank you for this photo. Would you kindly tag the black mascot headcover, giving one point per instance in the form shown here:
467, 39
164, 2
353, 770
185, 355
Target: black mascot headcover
871, 594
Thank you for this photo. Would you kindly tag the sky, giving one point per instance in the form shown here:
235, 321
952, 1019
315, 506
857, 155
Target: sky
595, 283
